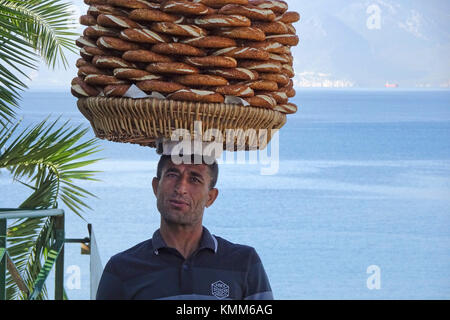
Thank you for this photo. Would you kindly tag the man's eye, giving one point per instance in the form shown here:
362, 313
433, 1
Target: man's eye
196, 180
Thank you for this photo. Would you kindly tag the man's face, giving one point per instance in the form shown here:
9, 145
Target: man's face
183, 193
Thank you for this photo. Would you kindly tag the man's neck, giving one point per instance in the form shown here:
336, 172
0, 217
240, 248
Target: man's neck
186, 239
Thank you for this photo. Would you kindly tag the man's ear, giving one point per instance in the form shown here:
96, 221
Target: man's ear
213, 193
155, 184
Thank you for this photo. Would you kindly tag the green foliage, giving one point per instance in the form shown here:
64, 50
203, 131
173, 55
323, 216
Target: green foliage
30, 30
49, 157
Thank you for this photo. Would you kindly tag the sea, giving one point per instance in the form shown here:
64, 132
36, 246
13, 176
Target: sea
357, 207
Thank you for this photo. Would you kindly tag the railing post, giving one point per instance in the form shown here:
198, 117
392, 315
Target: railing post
3, 259
59, 267
55, 257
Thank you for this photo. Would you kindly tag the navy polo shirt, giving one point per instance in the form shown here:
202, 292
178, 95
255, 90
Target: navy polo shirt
218, 269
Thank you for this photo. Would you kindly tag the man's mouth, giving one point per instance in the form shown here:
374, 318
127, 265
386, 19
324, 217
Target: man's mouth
178, 203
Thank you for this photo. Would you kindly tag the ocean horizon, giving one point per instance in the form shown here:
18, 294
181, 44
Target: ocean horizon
363, 184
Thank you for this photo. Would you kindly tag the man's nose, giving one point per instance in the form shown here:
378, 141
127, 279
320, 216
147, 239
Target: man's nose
181, 185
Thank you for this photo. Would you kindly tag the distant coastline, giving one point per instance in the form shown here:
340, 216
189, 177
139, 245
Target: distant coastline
383, 89
399, 89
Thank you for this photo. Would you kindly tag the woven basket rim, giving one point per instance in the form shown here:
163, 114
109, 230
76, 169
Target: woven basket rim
176, 101
144, 120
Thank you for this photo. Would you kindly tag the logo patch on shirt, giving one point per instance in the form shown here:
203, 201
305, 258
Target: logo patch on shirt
220, 290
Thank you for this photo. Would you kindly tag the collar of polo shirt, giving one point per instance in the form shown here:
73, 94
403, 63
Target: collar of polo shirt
207, 241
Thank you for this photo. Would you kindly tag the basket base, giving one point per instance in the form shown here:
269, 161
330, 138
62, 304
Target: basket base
146, 121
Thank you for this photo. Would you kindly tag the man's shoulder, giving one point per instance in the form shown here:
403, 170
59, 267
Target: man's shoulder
227, 244
227, 247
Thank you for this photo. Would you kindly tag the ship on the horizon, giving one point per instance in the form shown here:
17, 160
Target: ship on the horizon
391, 85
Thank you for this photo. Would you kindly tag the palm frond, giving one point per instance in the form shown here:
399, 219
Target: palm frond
28, 30
44, 24
50, 157
47, 159
49, 154
22, 236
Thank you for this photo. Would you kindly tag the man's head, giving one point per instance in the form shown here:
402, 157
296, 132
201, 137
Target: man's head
184, 191
213, 169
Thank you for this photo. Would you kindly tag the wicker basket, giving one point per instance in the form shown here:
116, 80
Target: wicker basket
146, 121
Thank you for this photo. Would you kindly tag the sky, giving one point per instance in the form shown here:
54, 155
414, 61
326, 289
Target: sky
349, 43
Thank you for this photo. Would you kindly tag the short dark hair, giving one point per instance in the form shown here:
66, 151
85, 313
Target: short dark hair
213, 168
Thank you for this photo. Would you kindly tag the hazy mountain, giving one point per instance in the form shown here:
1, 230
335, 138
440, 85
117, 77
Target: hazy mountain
409, 44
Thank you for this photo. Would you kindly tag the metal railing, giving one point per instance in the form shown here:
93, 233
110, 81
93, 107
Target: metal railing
54, 258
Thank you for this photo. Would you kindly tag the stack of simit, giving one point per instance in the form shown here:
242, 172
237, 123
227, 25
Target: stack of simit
200, 50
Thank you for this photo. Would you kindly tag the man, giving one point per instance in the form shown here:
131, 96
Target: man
183, 260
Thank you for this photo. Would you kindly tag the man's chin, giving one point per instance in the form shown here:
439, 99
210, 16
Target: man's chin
177, 217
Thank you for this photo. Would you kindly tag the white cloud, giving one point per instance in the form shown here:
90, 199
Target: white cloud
33, 74
392, 8
413, 24
76, 12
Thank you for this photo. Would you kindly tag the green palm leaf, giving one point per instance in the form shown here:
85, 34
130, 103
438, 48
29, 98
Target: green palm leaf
30, 30
45, 158
47, 153
44, 24
50, 157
